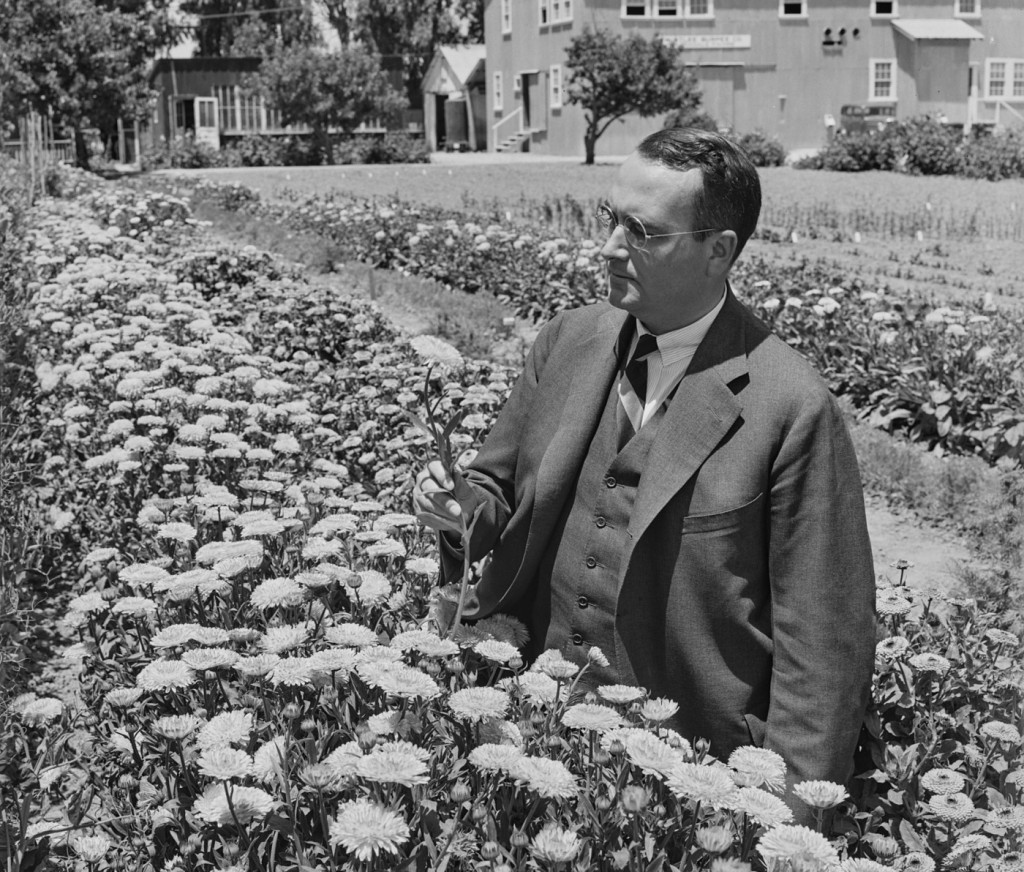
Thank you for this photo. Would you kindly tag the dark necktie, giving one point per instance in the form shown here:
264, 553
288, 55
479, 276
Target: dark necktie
636, 373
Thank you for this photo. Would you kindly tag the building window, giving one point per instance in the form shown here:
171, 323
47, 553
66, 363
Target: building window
517, 84
883, 82
545, 12
792, 8
1004, 79
967, 8
670, 8
884, 7
225, 95
555, 80
506, 16
561, 12
499, 97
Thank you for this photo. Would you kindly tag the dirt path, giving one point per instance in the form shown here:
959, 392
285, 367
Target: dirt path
934, 552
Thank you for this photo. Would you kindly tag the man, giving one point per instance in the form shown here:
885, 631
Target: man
696, 513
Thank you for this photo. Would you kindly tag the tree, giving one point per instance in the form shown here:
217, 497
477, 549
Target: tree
327, 90
227, 28
612, 76
76, 61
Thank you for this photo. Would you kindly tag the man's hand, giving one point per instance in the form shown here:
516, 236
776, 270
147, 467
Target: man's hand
432, 495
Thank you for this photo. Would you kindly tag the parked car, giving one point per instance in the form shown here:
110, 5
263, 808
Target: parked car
865, 117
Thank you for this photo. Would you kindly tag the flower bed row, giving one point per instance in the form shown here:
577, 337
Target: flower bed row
946, 376
227, 470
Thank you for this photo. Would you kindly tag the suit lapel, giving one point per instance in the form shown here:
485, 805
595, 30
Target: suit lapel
701, 412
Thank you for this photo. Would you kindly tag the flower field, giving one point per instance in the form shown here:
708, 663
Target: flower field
262, 678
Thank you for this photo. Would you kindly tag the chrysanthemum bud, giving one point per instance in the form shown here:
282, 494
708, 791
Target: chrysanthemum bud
603, 803
367, 740
127, 782
714, 840
701, 745
478, 813
432, 667
554, 742
456, 667
519, 839
515, 662
490, 850
461, 792
602, 757
634, 798
616, 747
307, 725
291, 711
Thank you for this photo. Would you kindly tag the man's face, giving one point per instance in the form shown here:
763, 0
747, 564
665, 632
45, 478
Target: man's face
668, 284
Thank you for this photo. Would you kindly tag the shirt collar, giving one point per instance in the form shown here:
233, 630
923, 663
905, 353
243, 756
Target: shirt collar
678, 344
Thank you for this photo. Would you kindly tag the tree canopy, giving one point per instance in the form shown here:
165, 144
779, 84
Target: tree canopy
612, 76
327, 90
226, 28
83, 62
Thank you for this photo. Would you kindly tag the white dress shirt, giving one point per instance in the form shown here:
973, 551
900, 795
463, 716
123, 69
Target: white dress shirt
666, 366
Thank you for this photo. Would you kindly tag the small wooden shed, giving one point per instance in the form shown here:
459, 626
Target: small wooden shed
454, 99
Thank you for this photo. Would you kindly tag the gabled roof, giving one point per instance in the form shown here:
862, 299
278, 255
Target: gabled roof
935, 28
463, 59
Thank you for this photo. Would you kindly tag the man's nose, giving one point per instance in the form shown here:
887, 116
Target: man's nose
614, 247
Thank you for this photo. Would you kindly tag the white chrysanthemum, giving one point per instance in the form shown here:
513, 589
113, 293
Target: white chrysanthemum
122, 697
965, 846
210, 636
425, 642
92, 849
586, 716
143, 574
555, 844
224, 764
436, 351
374, 587
292, 672
801, 846
496, 651
399, 680
276, 593
820, 794
318, 548
345, 760
135, 606
226, 729
621, 694
554, 665
422, 566
214, 552
269, 759
386, 548
651, 754
333, 661
473, 703
761, 806
247, 804
537, 687
659, 709
36, 710
892, 649
916, 861
549, 778
1000, 731
929, 662
277, 640
176, 530
165, 675
89, 603
504, 628
862, 864
495, 758
758, 767
889, 602
176, 726
262, 527
709, 785
385, 723
942, 780
173, 636
351, 635
397, 764
366, 829
952, 806
202, 659
258, 666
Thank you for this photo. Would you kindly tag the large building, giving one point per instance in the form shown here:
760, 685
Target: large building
785, 67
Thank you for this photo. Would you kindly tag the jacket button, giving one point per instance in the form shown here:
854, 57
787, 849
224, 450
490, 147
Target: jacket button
577, 639
610, 481
591, 562
582, 602
601, 522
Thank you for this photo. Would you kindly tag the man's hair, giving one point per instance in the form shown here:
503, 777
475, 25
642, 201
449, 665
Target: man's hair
730, 198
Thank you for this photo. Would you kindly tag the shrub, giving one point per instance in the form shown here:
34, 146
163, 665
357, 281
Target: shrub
849, 153
691, 118
762, 149
1000, 156
920, 146
181, 153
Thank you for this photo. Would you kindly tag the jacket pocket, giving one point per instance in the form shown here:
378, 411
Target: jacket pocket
723, 520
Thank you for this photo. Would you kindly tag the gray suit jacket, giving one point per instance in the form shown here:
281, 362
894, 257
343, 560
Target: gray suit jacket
747, 585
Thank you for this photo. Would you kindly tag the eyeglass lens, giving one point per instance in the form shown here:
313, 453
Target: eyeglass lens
636, 233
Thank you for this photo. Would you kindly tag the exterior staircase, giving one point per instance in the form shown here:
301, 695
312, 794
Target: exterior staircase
516, 142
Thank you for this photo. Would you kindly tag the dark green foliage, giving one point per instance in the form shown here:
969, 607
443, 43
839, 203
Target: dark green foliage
762, 149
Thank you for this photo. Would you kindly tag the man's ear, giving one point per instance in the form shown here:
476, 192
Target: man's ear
722, 252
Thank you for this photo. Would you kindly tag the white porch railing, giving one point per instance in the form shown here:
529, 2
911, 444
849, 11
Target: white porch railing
1000, 104
498, 125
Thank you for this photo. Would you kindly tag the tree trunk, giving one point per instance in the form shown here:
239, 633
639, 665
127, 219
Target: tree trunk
81, 149
589, 141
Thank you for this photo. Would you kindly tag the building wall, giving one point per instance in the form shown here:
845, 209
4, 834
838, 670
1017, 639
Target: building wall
781, 78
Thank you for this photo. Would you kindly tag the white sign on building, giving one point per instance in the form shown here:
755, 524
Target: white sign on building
710, 40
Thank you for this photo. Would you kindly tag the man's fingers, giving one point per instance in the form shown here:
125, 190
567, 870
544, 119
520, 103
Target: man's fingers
440, 474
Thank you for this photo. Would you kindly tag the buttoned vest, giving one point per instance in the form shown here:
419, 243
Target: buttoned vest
573, 604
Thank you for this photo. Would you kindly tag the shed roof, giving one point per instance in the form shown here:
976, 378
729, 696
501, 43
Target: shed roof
935, 28
463, 59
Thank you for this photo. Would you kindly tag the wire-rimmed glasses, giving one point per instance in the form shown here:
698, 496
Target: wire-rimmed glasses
636, 234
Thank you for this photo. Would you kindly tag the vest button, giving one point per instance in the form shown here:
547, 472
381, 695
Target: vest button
591, 562
577, 639
610, 481
582, 602
601, 522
